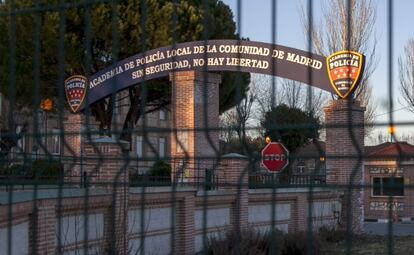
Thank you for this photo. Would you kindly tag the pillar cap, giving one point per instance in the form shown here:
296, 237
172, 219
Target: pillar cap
344, 105
109, 140
233, 156
200, 76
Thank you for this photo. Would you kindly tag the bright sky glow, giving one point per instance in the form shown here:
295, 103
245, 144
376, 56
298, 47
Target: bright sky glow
256, 24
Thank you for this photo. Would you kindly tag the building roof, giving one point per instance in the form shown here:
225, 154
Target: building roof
314, 149
394, 150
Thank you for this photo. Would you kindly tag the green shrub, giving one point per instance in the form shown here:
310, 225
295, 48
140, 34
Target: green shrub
45, 169
38, 169
158, 175
331, 234
252, 242
160, 168
297, 244
12, 171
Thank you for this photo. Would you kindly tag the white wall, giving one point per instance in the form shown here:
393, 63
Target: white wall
219, 217
158, 244
156, 220
263, 212
19, 242
73, 228
215, 218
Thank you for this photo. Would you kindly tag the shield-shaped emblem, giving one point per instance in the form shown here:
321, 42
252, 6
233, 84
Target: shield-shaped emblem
75, 89
345, 70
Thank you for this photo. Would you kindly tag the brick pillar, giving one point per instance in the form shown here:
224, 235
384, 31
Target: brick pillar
72, 126
195, 116
185, 235
106, 168
299, 221
42, 233
344, 151
233, 175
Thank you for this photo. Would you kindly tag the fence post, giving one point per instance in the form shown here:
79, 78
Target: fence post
344, 156
107, 169
299, 214
233, 175
194, 100
72, 126
185, 235
42, 230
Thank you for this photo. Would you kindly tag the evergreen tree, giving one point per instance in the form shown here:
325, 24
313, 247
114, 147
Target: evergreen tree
96, 35
291, 126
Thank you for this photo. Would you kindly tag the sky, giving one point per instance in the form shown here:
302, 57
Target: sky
256, 24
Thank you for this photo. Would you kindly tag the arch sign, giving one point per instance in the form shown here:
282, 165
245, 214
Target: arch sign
339, 73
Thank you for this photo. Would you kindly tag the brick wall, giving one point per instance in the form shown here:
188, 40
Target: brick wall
195, 117
233, 176
42, 229
183, 205
106, 169
377, 206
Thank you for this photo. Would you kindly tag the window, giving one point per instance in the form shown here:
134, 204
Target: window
182, 141
311, 164
21, 142
301, 167
139, 148
162, 115
55, 142
388, 186
161, 147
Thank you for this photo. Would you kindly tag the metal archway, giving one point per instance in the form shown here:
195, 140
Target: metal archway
213, 55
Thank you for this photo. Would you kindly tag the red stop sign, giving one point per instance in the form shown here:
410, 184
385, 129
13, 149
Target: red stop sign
275, 157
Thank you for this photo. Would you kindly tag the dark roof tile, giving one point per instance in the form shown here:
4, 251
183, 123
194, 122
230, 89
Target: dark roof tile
402, 150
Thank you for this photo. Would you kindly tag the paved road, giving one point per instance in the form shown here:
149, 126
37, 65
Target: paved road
399, 229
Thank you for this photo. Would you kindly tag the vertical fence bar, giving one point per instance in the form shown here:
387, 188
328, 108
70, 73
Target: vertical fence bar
48, 205
11, 90
390, 51
60, 87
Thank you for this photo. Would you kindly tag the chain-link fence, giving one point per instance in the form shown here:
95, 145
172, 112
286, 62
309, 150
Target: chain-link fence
137, 127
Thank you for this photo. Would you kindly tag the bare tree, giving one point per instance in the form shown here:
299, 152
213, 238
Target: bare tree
235, 120
348, 25
383, 137
302, 96
244, 110
291, 93
406, 74
228, 123
265, 93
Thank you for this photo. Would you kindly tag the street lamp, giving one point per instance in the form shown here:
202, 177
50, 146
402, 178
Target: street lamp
391, 131
46, 105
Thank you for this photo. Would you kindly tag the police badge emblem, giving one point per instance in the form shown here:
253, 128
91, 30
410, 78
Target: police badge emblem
345, 70
75, 89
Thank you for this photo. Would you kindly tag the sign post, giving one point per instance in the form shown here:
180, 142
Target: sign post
275, 157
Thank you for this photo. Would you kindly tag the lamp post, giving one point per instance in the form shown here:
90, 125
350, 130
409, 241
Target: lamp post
46, 105
391, 131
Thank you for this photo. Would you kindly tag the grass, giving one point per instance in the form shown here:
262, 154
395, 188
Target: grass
368, 245
326, 241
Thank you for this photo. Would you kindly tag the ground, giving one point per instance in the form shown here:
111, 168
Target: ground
374, 245
376, 241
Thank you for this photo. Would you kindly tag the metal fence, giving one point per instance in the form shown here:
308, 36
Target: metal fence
127, 175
